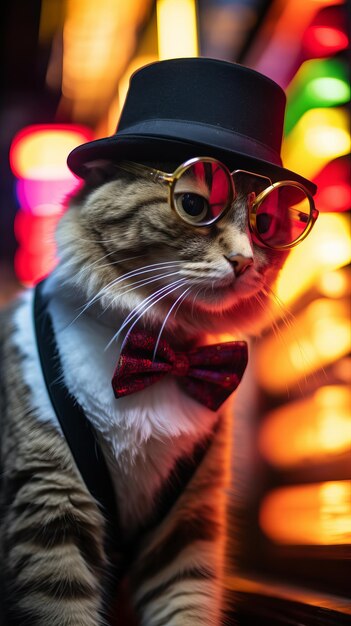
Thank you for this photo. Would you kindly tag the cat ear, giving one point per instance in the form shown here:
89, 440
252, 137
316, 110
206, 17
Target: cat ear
99, 172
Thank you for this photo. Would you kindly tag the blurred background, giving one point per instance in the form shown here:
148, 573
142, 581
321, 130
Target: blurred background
65, 71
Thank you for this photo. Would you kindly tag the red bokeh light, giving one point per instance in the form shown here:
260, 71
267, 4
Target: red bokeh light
334, 186
35, 233
31, 268
323, 41
327, 34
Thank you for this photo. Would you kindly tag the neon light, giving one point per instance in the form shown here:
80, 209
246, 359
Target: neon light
176, 28
35, 195
40, 151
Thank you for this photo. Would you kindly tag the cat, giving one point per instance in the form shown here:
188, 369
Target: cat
122, 251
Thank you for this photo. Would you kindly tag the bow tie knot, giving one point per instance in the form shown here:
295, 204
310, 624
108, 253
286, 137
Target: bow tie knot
207, 373
180, 364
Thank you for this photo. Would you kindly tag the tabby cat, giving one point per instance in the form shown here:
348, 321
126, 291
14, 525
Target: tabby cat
125, 258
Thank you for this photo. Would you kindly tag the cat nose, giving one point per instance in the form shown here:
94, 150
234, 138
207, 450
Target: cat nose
240, 263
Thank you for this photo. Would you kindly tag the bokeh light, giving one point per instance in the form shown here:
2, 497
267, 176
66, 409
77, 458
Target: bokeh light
318, 514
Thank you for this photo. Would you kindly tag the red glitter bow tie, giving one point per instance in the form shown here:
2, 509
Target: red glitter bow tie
208, 373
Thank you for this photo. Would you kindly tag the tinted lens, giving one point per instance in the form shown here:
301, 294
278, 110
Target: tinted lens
202, 192
282, 216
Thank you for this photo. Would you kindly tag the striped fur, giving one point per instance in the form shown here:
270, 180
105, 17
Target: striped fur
52, 560
119, 243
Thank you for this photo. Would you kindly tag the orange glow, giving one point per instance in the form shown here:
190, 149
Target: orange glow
98, 43
320, 334
318, 514
40, 151
308, 430
335, 284
327, 248
176, 28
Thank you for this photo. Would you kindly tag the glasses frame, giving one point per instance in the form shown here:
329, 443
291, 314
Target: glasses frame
170, 180
312, 217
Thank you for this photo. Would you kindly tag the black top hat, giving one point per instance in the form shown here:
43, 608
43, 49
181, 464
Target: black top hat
182, 108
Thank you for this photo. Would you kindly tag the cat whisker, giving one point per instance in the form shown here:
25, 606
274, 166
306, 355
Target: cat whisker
139, 284
286, 316
137, 272
113, 240
142, 270
194, 298
115, 281
180, 298
131, 274
146, 301
150, 305
88, 267
150, 301
122, 260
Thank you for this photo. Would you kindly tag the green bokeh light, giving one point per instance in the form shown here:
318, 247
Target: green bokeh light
318, 83
333, 91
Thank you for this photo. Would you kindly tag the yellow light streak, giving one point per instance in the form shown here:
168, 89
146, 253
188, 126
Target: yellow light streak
318, 514
308, 430
177, 29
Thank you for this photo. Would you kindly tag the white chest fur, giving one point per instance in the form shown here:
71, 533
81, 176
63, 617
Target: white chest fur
142, 435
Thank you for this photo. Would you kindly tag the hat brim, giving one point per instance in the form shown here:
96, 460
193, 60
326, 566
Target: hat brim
148, 148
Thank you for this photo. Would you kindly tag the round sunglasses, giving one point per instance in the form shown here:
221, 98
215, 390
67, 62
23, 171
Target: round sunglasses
201, 191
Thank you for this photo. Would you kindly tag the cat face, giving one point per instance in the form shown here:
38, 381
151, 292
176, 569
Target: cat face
124, 245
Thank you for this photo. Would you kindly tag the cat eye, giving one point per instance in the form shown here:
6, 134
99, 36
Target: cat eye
192, 206
202, 190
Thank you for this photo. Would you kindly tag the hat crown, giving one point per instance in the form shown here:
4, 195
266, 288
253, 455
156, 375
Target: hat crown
181, 108
208, 92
